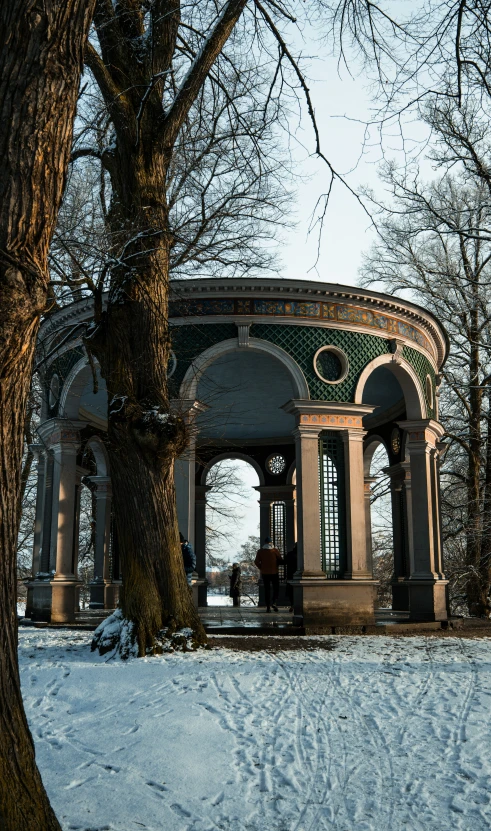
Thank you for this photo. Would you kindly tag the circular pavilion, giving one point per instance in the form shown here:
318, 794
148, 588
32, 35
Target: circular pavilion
303, 380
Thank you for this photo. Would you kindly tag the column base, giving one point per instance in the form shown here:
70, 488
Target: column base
197, 584
111, 594
203, 592
96, 588
334, 602
39, 599
424, 599
64, 600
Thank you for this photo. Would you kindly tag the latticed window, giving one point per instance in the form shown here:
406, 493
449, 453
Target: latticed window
332, 504
277, 524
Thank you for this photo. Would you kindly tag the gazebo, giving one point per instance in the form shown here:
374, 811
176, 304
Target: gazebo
303, 380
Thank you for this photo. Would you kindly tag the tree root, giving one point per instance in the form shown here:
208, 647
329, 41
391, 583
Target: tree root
118, 635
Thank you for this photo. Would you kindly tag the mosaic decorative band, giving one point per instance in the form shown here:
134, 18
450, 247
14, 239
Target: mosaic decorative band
332, 420
343, 313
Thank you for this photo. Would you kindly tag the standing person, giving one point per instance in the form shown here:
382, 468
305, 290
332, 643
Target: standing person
291, 567
235, 584
188, 558
267, 560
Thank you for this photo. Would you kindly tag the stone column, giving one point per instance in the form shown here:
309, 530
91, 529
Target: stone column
112, 569
185, 468
426, 586
348, 599
358, 554
103, 495
367, 488
64, 440
276, 493
40, 458
308, 501
200, 541
290, 530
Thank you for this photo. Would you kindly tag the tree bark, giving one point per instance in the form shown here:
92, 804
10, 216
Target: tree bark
40, 67
144, 437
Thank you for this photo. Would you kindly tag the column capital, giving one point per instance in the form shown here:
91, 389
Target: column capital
425, 430
101, 485
200, 492
328, 415
60, 431
275, 493
37, 450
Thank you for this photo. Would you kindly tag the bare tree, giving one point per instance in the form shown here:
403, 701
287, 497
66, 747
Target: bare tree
433, 245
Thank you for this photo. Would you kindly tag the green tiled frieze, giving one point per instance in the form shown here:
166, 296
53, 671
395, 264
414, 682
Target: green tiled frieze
348, 313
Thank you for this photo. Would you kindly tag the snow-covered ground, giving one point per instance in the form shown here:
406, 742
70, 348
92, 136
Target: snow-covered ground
376, 733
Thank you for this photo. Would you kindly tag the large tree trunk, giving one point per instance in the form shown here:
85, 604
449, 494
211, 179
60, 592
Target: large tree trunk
40, 66
145, 435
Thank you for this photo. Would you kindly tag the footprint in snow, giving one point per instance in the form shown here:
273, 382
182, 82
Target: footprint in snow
156, 786
180, 811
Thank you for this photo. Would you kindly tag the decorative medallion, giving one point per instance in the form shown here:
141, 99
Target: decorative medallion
395, 441
276, 464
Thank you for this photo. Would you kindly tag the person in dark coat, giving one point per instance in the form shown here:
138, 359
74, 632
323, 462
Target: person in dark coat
291, 567
268, 558
235, 584
188, 558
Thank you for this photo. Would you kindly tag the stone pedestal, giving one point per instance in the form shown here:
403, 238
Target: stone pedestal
334, 603
111, 594
101, 486
39, 598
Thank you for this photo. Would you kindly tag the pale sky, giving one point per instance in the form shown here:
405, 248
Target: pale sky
347, 232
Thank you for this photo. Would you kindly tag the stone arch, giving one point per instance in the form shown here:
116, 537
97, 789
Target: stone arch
233, 455
291, 477
199, 365
74, 391
371, 444
407, 378
100, 454
73, 388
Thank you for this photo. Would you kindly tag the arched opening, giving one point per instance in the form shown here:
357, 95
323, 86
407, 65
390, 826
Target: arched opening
232, 529
78, 399
85, 526
244, 392
379, 519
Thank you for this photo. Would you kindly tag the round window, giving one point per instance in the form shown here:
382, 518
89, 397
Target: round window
171, 365
276, 464
54, 391
331, 364
429, 390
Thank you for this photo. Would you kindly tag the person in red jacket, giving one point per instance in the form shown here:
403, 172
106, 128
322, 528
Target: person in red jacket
268, 558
